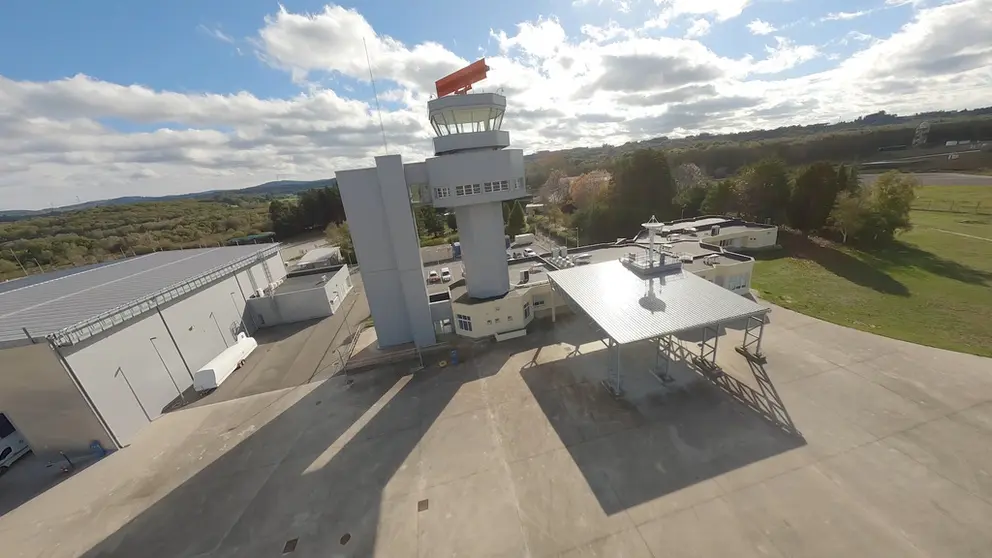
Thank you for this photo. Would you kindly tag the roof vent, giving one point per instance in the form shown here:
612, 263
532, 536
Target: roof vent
715, 230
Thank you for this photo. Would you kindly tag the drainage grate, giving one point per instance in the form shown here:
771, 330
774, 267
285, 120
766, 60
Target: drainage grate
422, 505
290, 546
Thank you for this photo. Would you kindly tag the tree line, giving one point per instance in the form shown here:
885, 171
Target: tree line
724, 155
312, 210
821, 197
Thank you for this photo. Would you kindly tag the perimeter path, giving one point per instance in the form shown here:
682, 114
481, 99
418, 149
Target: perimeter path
518, 451
941, 179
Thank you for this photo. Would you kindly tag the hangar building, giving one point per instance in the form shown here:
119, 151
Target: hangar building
99, 353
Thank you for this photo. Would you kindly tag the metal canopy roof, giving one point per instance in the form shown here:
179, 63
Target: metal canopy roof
115, 292
632, 308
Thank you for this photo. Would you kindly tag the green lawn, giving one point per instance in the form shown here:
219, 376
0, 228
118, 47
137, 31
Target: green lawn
931, 287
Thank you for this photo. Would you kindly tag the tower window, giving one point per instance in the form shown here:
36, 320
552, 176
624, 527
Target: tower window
464, 322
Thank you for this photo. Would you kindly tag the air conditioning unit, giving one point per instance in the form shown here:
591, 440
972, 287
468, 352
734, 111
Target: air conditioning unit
685, 258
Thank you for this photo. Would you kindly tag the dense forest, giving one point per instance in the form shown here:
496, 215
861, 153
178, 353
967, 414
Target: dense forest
103, 233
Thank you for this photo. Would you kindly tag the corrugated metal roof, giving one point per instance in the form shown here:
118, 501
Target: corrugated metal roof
631, 308
47, 307
21, 282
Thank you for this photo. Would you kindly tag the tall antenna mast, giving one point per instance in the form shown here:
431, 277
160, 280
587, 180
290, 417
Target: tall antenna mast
376, 94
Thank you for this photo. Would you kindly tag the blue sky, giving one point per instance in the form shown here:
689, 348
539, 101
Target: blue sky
106, 98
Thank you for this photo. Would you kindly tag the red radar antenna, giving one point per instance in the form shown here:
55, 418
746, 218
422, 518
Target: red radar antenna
460, 82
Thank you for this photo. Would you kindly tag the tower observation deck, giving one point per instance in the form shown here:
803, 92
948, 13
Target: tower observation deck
473, 173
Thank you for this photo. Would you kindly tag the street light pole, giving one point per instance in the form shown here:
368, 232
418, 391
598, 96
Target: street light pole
166, 366
219, 330
243, 326
120, 372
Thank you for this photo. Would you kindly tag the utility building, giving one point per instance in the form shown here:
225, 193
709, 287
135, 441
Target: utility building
97, 354
473, 172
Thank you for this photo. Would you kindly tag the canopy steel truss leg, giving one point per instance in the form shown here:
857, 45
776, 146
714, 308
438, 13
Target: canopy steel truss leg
552, 302
753, 332
707, 348
662, 359
613, 385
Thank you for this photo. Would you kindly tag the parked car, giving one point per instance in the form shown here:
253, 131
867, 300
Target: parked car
529, 253
445, 274
12, 444
433, 277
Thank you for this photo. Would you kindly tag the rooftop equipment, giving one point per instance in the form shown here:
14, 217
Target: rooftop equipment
460, 82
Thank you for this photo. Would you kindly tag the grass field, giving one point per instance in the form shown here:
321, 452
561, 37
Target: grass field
932, 287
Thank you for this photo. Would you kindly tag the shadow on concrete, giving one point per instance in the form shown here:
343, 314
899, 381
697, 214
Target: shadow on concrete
644, 445
277, 333
835, 261
243, 503
300, 476
30, 475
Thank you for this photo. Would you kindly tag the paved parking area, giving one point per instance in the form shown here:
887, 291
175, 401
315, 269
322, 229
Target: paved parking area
519, 452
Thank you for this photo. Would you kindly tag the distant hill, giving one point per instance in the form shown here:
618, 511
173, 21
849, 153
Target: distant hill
274, 188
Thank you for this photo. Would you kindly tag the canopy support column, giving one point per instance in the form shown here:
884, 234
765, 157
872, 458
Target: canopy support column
552, 302
662, 359
613, 385
753, 332
707, 348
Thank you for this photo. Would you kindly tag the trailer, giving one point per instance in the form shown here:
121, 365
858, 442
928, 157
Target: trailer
223, 365
523, 239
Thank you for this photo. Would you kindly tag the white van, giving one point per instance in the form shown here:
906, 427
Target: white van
12, 444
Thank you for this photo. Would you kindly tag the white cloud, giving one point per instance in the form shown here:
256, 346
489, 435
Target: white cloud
697, 28
623, 6
784, 56
844, 16
720, 10
759, 27
217, 34
605, 84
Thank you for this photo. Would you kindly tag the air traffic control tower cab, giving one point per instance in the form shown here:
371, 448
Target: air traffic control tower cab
473, 173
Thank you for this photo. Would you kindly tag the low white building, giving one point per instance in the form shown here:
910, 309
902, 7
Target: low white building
530, 293
721, 230
301, 296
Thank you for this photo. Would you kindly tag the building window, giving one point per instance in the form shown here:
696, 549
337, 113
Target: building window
504, 185
464, 322
476, 188
737, 282
538, 302
442, 192
487, 187
526, 310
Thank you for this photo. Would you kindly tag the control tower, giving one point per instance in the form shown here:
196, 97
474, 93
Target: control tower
472, 173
